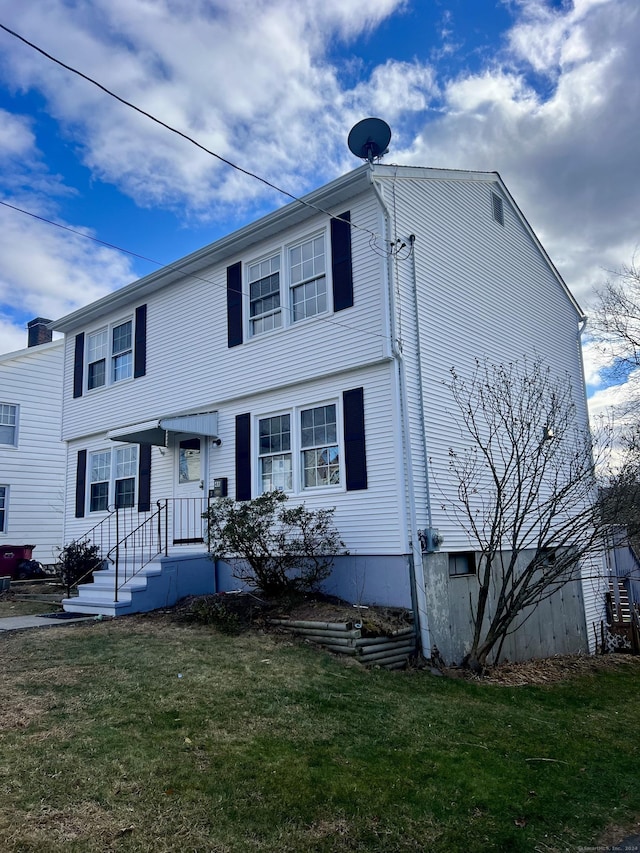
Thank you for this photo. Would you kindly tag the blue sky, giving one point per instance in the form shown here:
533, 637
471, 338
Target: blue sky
546, 92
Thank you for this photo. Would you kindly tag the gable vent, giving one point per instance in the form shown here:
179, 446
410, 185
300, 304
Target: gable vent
498, 208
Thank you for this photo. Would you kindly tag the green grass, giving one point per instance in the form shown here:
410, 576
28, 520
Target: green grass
147, 735
15, 607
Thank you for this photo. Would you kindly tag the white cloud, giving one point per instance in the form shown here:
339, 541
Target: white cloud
555, 114
248, 80
558, 119
58, 273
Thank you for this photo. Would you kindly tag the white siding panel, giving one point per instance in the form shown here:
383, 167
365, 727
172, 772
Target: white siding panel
485, 292
34, 470
189, 364
370, 521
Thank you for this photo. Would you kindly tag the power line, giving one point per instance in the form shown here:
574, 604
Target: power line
178, 132
174, 267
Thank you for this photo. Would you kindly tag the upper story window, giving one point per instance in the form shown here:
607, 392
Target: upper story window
298, 280
8, 424
264, 295
109, 355
307, 278
112, 478
497, 208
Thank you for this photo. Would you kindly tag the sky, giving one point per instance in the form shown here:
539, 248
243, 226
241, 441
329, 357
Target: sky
546, 92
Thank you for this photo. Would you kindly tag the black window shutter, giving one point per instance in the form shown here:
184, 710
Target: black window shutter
140, 338
144, 478
243, 457
341, 268
78, 366
81, 483
234, 305
355, 455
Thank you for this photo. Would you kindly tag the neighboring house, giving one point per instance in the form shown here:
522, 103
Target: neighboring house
624, 566
307, 351
32, 453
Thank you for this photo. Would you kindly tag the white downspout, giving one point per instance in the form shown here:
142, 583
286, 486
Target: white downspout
417, 575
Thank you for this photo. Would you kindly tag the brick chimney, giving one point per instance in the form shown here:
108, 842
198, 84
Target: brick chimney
38, 332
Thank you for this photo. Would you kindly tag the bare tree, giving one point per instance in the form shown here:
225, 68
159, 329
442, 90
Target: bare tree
615, 324
526, 492
616, 319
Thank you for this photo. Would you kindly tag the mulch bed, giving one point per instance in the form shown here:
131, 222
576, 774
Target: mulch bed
253, 611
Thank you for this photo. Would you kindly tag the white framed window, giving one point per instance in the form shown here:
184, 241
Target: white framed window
9, 424
307, 278
300, 449
112, 478
320, 451
264, 295
274, 453
4, 508
289, 285
110, 355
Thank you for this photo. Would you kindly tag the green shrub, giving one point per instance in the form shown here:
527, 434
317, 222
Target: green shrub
280, 550
77, 562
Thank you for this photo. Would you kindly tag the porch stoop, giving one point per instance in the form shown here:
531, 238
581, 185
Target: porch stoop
161, 583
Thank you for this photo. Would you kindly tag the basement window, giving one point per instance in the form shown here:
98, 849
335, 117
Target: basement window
497, 208
462, 564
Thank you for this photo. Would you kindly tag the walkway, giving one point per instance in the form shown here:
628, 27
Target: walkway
19, 623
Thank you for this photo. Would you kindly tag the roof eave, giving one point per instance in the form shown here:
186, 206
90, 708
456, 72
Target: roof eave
321, 200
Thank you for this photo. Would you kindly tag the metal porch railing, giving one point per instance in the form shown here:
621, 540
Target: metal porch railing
130, 540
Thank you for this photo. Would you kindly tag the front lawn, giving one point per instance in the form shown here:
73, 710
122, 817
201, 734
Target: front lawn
144, 734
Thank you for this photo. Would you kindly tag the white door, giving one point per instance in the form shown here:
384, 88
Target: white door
189, 489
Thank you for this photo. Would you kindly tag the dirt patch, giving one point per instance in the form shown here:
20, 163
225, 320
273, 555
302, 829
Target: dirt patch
546, 671
247, 610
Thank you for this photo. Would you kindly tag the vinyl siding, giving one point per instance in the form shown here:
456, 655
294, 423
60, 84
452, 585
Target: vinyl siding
370, 521
189, 364
34, 470
485, 291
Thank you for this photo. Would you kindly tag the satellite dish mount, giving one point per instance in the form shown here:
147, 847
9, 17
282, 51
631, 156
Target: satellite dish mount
369, 139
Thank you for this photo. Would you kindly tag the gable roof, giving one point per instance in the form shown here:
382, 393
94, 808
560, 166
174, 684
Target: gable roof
321, 200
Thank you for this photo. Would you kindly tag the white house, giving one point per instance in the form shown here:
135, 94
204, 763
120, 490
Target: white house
32, 453
308, 351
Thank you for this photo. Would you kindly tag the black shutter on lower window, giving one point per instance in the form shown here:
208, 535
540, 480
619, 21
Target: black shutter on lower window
355, 452
144, 478
234, 305
81, 483
243, 457
341, 266
140, 340
78, 365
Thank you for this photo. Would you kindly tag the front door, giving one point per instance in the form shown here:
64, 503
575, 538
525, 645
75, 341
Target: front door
189, 488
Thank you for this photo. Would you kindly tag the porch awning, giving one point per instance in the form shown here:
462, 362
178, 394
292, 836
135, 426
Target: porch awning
155, 432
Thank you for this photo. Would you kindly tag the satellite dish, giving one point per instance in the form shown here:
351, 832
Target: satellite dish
369, 138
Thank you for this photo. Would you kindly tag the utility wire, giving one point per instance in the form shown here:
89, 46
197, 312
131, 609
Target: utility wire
175, 267
180, 133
